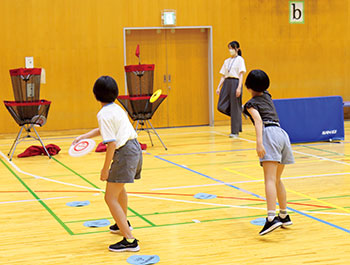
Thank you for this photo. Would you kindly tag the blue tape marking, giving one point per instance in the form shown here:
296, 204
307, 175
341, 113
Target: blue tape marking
78, 203
204, 196
143, 259
97, 223
217, 180
255, 195
258, 221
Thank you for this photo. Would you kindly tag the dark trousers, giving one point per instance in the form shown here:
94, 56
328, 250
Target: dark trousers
230, 105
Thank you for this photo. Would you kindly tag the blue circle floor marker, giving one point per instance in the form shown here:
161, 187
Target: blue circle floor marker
204, 196
97, 223
143, 259
78, 203
258, 221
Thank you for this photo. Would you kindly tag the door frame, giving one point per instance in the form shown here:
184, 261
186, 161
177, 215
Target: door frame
210, 60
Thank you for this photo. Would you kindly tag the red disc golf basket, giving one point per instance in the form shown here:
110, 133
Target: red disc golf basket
27, 109
137, 103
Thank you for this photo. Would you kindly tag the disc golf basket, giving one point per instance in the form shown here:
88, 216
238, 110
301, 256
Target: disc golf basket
27, 110
137, 103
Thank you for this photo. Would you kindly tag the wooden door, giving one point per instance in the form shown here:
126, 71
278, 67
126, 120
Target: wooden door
152, 51
187, 60
181, 71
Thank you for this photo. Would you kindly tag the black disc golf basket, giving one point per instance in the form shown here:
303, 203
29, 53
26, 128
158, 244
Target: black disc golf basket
137, 103
27, 110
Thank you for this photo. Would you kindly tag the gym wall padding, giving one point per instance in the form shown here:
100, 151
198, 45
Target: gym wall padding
311, 119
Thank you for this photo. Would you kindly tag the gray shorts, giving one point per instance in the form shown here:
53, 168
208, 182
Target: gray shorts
127, 163
277, 146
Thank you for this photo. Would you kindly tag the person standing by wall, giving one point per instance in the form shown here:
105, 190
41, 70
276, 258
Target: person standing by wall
230, 95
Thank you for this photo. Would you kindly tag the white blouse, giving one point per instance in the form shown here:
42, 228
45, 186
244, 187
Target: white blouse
114, 125
233, 67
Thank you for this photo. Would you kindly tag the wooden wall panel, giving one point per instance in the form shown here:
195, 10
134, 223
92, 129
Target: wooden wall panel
78, 41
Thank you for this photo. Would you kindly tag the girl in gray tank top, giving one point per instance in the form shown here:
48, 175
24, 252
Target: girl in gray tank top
272, 146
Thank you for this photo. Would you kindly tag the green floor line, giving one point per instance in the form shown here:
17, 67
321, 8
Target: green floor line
334, 197
87, 220
95, 186
182, 223
324, 209
205, 221
140, 216
74, 172
299, 200
39, 200
203, 209
264, 203
157, 213
323, 150
190, 210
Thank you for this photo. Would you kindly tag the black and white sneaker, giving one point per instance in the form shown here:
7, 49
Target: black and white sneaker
124, 245
285, 221
270, 226
115, 229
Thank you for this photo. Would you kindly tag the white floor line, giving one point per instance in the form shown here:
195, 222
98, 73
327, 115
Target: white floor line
45, 140
204, 203
180, 133
316, 156
327, 213
43, 178
226, 205
34, 200
238, 138
322, 158
195, 186
249, 181
320, 175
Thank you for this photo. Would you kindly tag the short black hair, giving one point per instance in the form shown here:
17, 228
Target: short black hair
257, 80
106, 89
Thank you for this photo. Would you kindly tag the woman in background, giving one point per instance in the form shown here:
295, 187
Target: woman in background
230, 99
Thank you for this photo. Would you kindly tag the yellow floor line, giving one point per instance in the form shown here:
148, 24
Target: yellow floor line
293, 191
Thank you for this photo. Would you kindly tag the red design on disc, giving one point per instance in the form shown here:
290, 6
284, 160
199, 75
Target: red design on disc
81, 146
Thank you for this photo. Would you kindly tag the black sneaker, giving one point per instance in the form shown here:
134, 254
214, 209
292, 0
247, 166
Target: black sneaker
270, 226
115, 229
124, 245
285, 221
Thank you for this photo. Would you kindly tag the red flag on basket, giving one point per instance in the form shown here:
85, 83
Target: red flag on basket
137, 52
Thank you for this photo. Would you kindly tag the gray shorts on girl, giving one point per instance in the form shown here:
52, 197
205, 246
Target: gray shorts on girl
127, 163
277, 145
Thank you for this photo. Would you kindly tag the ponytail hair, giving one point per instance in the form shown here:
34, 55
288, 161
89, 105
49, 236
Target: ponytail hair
235, 45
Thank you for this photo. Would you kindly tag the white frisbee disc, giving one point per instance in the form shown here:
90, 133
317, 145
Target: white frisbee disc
39, 120
82, 147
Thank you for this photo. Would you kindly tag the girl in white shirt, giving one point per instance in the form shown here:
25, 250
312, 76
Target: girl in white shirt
230, 99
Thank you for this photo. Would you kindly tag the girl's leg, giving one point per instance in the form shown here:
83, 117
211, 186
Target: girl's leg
270, 173
281, 191
123, 201
112, 195
282, 198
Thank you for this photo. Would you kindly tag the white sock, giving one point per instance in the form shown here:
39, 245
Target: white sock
283, 213
271, 215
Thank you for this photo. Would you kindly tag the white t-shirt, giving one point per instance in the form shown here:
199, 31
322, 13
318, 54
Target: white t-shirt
233, 67
114, 125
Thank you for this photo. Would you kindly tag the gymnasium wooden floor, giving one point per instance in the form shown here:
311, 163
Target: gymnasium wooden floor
38, 228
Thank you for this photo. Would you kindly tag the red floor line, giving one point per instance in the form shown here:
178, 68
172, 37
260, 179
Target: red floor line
224, 197
176, 194
15, 191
